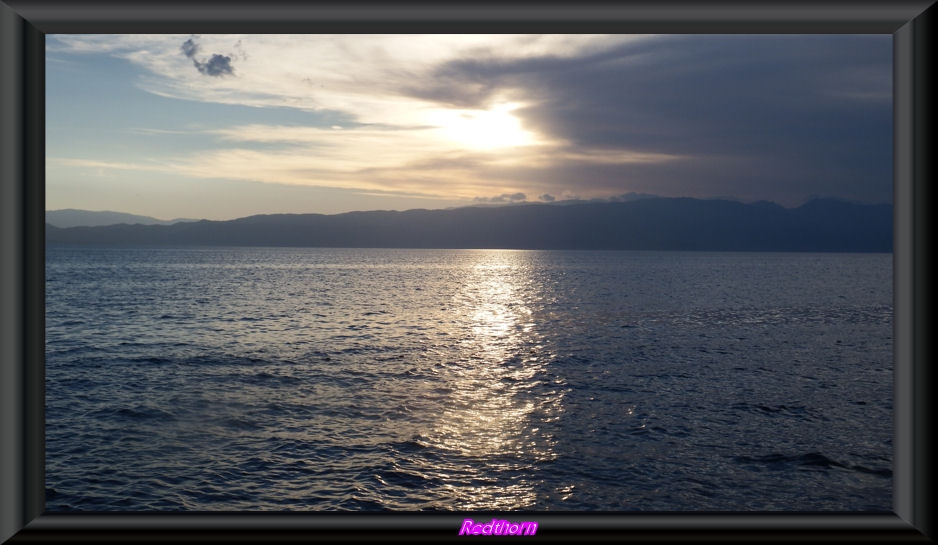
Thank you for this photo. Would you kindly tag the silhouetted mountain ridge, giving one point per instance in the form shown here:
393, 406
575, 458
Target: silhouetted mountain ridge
70, 217
642, 224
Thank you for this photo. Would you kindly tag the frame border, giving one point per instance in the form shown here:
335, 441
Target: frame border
23, 25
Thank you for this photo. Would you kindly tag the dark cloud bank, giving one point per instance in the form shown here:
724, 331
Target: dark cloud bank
755, 117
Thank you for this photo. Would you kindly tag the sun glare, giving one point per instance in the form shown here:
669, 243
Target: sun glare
483, 129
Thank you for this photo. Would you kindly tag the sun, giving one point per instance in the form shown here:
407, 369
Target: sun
490, 129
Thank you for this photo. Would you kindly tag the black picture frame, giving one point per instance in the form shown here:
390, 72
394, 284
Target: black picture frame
23, 26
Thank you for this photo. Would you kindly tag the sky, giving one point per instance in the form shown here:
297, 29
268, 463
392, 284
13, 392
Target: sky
225, 126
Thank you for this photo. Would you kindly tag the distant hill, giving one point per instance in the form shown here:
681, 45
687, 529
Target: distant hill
71, 217
643, 224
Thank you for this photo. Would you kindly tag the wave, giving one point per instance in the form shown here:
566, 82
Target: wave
808, 460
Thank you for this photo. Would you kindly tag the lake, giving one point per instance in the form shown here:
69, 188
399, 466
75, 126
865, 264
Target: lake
313, 379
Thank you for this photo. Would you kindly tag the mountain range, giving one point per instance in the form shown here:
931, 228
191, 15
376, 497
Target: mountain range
71, 217
642, 224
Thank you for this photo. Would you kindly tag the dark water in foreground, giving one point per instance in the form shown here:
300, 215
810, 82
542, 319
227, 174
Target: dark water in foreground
347, 379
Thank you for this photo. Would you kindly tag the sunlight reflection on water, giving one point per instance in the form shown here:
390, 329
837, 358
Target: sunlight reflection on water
486, 423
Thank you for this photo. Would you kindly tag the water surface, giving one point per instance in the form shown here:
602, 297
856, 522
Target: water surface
372, 379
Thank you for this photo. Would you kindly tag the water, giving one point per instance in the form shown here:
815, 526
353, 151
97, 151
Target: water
365, 379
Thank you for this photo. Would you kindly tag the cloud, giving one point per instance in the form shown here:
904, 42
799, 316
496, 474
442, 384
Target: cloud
107, 165
547, 197
190, 48
217, 65
777, 117
503, 198
753, 115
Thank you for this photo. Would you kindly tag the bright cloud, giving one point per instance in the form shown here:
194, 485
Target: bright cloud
362, 75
